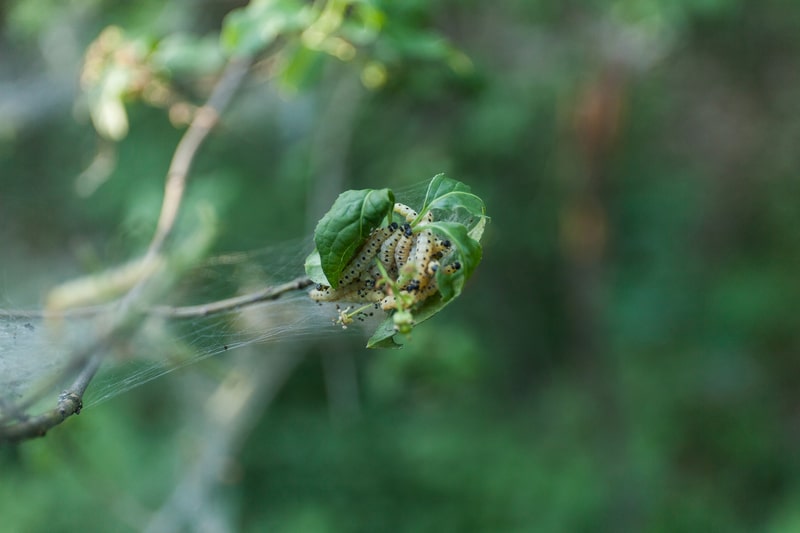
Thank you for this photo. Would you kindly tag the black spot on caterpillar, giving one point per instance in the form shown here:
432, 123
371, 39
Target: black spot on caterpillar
452, 268
412, 286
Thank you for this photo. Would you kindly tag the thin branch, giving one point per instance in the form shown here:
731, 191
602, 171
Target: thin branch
80, 363
87, 361
219, 306
204, 121
70, 402
236, 302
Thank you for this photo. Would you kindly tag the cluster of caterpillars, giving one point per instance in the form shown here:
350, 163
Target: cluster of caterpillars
410, 259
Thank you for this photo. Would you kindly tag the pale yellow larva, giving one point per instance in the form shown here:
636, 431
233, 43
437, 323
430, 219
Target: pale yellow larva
423, 253
405, 211
403, 248
353, 271
386, 254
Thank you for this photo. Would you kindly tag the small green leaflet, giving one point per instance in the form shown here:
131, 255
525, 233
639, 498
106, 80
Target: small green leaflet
469, 254
448, 194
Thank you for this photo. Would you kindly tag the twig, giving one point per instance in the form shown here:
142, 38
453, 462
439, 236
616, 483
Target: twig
236, 302
79, 362
204, 121
87, 361
228, 304
70, 402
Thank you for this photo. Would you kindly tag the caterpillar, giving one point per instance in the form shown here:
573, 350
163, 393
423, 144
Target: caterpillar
411, 215
323, 293
452, 268
403, 248
405, 211
411, 261
354, 270
386, 254
431, 289
370, 295
390, 302
421, 293
363, 258
441, 246
422, 257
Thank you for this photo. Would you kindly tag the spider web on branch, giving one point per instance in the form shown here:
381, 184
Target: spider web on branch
39, 351
30, 357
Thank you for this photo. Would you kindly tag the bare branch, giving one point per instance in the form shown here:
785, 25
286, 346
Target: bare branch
70, 402
237, 302
87, 361
82, 364
271, 292
204, 121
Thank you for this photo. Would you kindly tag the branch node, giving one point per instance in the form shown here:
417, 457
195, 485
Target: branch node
69, 403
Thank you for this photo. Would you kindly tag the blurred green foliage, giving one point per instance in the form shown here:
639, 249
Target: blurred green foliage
624, 359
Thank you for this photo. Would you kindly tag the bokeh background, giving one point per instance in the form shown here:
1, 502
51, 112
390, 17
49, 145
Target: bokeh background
626, 358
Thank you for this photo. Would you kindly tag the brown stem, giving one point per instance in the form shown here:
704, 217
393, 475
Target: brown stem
88, 361
70, 402
236, 302
204, 121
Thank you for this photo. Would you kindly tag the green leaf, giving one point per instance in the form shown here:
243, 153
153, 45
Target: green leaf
300, 68
364, 23
250, 29
313, 266
448, 194
386, 336
186, 54
344, 229
469, 254
476, 231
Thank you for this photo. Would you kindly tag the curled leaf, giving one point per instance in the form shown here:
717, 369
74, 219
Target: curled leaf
448, 194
